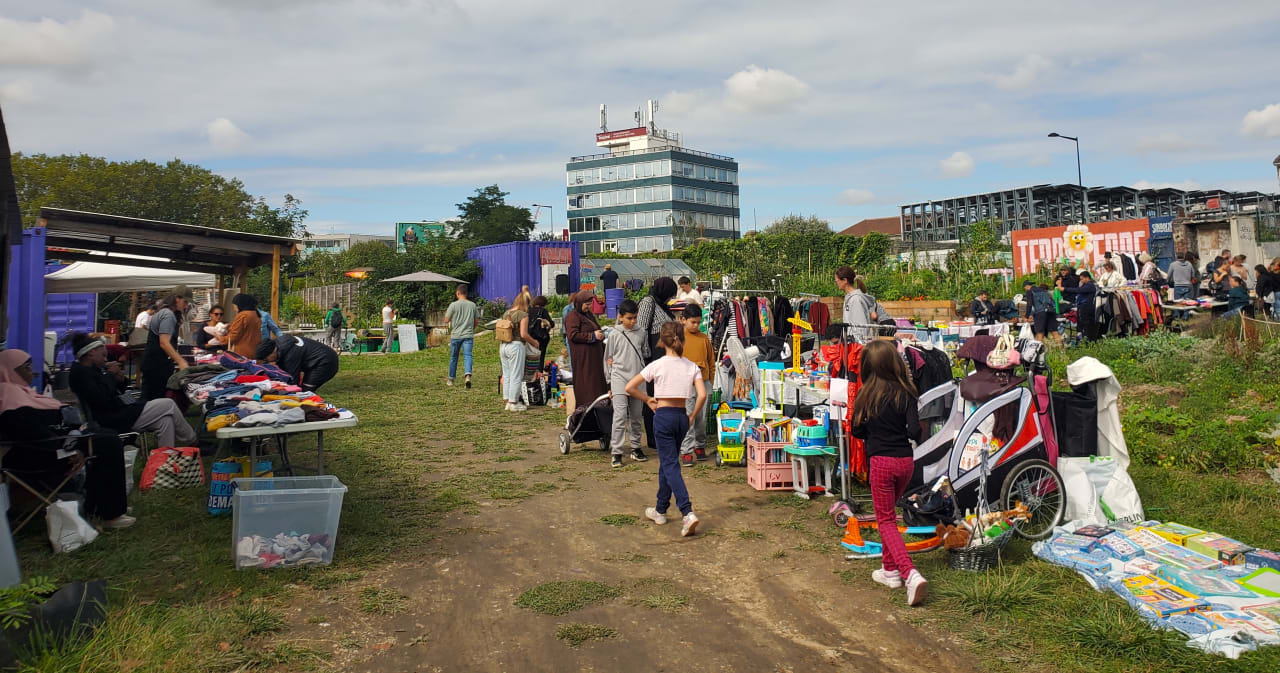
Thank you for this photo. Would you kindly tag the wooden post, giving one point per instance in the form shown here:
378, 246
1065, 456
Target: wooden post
275, 281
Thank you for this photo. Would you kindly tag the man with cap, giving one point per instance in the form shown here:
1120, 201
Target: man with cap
98, 385
609, 279
309, 362
160, 357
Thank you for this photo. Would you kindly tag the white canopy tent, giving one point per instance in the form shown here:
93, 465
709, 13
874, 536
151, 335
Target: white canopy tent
95, 277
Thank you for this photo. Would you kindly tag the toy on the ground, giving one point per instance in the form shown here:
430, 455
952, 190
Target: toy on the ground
1161, 597
731, 434
861, 548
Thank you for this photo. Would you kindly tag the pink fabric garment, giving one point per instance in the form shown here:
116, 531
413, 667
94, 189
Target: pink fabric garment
15, 393
889, 477
1043, 401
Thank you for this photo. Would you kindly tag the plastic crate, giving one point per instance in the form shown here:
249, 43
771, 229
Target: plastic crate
296, 507
768, 466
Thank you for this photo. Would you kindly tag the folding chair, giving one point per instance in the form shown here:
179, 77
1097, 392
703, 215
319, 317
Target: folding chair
15, 476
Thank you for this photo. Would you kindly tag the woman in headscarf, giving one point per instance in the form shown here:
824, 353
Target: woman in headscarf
27, 419
586, 350
245, 332
651, 316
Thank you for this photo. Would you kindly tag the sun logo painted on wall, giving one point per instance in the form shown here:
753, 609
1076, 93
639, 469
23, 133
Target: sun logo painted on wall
1077, 244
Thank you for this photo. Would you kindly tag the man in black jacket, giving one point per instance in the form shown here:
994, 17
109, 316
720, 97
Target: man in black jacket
99, 385
1084, 295
309, 362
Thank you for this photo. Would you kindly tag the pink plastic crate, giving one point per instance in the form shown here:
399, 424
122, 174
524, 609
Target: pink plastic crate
764, 475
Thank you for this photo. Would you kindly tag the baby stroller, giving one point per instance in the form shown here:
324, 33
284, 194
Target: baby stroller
593, 422
994, 426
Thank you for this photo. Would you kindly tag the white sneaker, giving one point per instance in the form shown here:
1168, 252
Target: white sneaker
122, 521
690, 523
893, 580
508, 407
519, 407
917, 588
655, 516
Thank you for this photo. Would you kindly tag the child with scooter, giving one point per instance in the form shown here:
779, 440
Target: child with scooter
885, 417
673, 376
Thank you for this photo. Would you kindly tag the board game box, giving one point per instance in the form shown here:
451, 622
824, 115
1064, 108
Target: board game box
1162, 597
1221, 547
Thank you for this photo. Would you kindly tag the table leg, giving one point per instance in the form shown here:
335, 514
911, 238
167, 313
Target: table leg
253, 454
320, 452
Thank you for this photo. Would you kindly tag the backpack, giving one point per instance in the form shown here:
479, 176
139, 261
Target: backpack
504, 329
335, 318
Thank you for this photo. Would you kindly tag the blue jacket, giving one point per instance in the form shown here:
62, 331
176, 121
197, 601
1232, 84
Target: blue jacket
1084, 295
270, 329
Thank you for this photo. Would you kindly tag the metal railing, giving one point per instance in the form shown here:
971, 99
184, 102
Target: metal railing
650, 150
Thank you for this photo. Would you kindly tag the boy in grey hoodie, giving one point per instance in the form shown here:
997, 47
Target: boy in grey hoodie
623, 362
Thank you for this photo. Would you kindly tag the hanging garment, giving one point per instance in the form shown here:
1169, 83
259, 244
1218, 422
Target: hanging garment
766, 317
1129, 267
751, 312
819, 317
781, 313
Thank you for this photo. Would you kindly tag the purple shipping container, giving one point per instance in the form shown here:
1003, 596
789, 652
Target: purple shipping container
70, 313
505, 267
26, 298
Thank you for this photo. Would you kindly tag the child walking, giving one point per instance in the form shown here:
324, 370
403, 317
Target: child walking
672, 376
623, 362
886, 418
697, 349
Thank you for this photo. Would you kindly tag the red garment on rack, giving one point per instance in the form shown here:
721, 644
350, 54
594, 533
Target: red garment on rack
819, 317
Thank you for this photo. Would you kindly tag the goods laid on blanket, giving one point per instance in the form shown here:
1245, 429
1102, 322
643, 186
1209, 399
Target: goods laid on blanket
238, 392
1224, 595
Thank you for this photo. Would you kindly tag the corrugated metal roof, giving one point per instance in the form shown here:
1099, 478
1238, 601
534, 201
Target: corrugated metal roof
644, 268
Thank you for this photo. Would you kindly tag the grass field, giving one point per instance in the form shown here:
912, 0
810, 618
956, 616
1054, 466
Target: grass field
423, 457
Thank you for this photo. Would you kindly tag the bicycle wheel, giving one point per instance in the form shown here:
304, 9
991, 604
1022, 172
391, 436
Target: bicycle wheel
1037, 485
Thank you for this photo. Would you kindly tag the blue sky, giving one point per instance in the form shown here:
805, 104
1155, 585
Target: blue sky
374, 111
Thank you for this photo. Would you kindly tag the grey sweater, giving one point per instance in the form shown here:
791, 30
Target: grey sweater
1181, 273
623, 347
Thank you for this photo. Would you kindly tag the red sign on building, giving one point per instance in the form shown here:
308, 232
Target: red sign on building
1079, 246
555, 256
1213, 204
624, 133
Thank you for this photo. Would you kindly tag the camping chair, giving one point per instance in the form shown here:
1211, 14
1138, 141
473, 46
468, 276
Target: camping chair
27, 478
144, 446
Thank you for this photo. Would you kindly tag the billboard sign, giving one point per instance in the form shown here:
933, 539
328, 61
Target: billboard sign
412, 233
1078, 245
1161, 227
624, 133
557, 255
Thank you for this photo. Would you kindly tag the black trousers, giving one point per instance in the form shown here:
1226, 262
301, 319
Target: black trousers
104, 494
1087, 325
648, 420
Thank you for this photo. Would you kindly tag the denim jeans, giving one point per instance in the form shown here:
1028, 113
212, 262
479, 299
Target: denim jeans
670, 424
1183, 292
511, 355
463, 345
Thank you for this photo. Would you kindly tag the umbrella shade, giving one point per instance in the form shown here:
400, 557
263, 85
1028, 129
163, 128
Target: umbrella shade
423, 277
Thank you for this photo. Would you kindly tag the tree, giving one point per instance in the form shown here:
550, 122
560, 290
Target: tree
485, 219
684, 232
797, 224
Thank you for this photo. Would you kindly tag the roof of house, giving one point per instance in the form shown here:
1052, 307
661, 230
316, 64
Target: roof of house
890, 226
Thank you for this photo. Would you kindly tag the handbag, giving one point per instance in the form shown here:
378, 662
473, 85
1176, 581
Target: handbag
1004, 355
504, 329
173, 468
533, 393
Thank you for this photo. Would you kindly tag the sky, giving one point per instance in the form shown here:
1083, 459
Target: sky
377, 111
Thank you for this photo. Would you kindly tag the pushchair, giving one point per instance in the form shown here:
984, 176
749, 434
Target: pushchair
994, 427
593, 422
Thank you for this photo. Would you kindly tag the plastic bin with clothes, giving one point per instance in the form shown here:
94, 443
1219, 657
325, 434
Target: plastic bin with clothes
283, 522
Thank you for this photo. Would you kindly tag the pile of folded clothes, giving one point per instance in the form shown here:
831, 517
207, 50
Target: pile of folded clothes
283, 550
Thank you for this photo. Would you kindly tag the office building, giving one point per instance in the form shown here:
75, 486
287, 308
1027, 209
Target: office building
340, 242
648, 192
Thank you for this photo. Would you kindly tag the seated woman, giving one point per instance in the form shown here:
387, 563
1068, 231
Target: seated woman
212, 336
27, 420
309, 362
98, 384
1238, 300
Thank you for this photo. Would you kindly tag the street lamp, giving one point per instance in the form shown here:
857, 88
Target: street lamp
1079, 179
550, 214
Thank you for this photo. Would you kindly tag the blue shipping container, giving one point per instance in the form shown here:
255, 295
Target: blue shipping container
505, 267
70, 313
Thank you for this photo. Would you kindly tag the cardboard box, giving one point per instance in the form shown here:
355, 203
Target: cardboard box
1162, 597
1261, 627
1120, 547
1181, 557
1144, 538
1142, 566
1261, 558
1067, 543
1094, 531
1096, 563
1203, 583
1221, 547
1175, 532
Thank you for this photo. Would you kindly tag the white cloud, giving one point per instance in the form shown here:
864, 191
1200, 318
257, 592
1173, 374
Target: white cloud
224, 135
1165, 142
50, 43
958, 165
856, 197
1186, 185
764, 89
17, 92
1264, 123
1027, 73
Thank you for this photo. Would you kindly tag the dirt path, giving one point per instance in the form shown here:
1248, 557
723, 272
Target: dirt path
758, 589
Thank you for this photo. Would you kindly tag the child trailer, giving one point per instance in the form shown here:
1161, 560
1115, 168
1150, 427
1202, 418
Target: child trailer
590, 423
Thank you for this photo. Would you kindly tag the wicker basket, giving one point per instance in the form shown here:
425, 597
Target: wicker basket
977, 559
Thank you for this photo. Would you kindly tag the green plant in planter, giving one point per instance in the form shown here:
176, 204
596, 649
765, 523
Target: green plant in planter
16, 602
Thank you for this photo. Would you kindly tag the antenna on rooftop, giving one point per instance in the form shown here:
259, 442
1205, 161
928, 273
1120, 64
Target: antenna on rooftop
604, 118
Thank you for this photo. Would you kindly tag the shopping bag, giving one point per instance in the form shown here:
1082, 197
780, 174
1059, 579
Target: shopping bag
1026, 332
178, 467
1098, 491
534, 393
68, 531
220, 486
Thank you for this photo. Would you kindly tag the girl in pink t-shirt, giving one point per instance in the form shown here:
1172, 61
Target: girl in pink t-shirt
672, 376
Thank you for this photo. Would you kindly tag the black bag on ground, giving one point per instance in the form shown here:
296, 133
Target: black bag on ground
534, 393
1075, 420
923, 506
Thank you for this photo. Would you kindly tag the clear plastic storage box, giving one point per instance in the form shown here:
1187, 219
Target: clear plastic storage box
284, 522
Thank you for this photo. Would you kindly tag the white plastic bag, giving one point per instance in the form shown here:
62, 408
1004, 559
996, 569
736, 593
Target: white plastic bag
130, 455
1026, 332
1098, 490
68, 531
